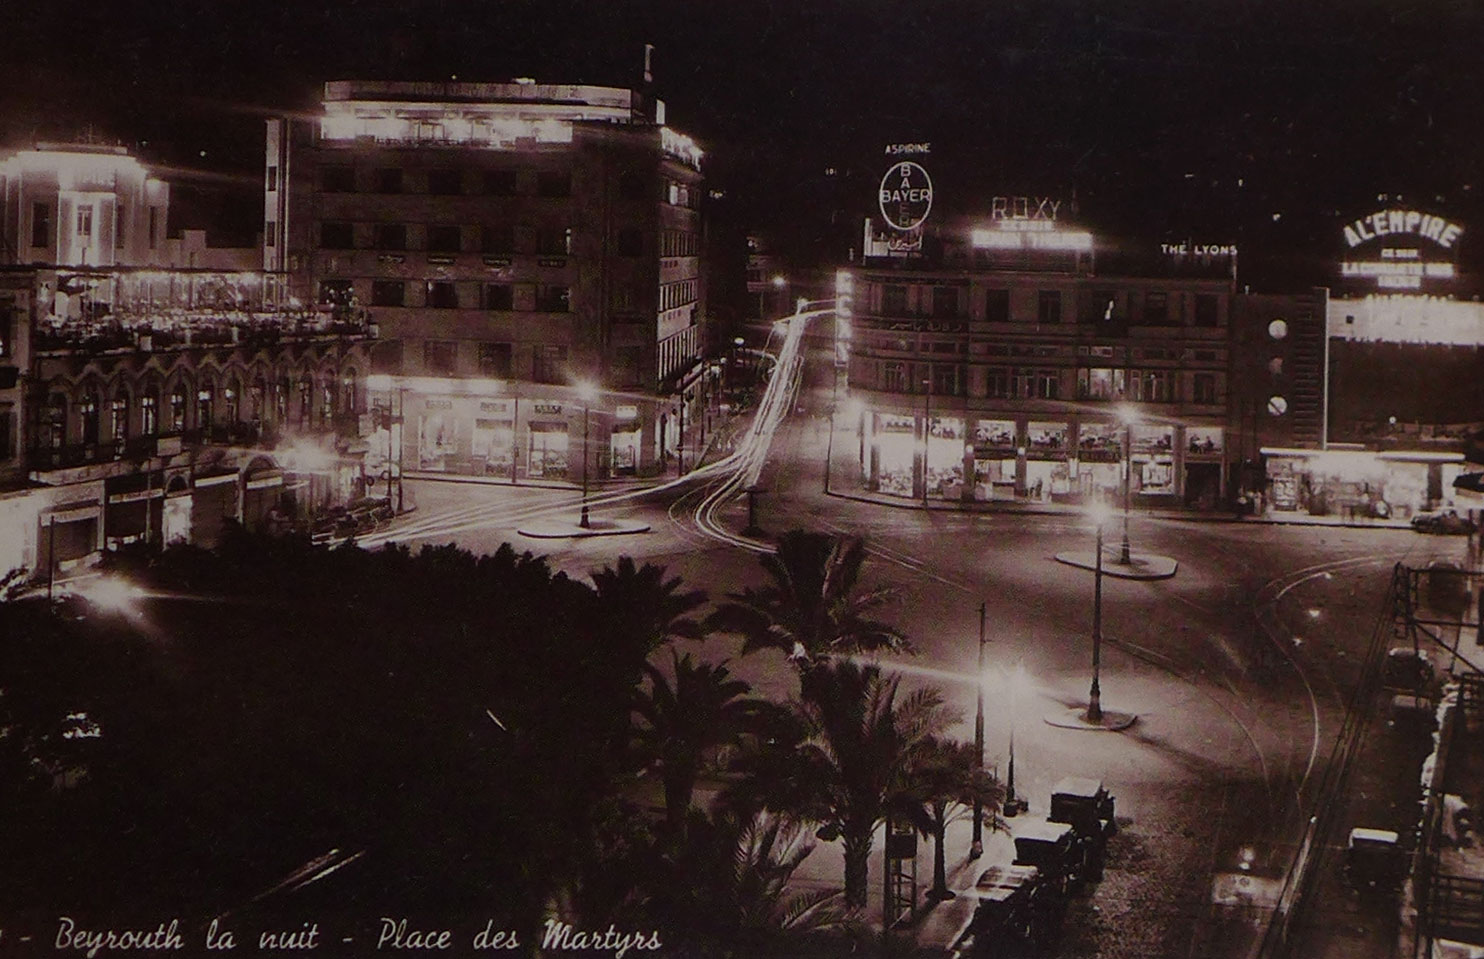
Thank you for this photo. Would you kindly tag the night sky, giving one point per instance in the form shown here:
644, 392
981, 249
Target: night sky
1265, 122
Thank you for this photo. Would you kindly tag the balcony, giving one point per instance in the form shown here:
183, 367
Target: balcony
163, 330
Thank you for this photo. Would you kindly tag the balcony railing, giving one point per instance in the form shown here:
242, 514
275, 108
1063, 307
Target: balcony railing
175, 329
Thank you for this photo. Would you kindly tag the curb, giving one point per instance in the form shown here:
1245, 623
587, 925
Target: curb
599, 527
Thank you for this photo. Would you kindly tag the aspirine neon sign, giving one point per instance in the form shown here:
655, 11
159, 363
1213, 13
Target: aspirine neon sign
1387, 222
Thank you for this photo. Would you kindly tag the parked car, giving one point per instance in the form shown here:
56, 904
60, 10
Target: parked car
1373, 860
1446, 522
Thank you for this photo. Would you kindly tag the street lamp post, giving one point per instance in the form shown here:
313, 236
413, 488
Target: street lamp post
1128, 417
1094, 699
927, 431
977, 848
587, 392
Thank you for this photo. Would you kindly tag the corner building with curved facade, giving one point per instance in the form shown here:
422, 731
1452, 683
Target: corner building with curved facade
1010, 359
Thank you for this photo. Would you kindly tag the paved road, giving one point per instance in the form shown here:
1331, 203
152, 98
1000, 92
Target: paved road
1239, 667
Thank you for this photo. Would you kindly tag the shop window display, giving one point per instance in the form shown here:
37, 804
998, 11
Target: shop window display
895, 446
437, 436
945, 457
549, 450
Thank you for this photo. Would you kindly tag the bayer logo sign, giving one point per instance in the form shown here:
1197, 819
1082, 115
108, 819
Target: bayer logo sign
906, 196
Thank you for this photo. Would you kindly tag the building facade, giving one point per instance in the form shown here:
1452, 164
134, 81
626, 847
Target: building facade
529, 253
998, 363
141, 403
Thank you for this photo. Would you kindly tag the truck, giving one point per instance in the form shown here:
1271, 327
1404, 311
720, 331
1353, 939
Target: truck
1011, 918
1087, 806
1051, 847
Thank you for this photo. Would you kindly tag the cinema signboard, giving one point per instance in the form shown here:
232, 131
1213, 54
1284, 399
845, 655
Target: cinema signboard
1401, 249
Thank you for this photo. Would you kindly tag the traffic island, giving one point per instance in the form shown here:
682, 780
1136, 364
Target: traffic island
1076, 717
1139, 565
571, 529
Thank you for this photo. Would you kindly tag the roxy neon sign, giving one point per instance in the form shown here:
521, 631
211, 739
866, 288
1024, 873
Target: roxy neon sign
1386, 222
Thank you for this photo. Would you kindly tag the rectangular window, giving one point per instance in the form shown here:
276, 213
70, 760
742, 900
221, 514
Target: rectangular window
443, 295
1100, 383
440, 356
1156, 309
333, 236
945, 302
497, 239
1207, 310
41, 224
630, 243
154, 226
443, 239
894, 300
494, 359
1203, 389
336, 292
500, 182
337, 179
1047, 384
85, 222
391, 236
554, 183
549, 364
7, 433
553, 299
270, 233
1048, 306
388, 293
945, 380
445, 182
1151, 386
499, 296
999, 383
118, 226
389, 180
997, 306
272, 178
894, 377
554, 241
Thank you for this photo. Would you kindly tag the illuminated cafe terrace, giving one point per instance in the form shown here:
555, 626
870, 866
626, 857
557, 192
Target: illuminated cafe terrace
153, 311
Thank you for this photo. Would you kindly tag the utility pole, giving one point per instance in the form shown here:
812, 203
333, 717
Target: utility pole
977, 848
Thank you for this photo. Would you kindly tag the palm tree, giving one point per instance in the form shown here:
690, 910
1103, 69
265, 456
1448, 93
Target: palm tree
642, 604
680, 723
861, 742
811, 607
729, 884
945, 778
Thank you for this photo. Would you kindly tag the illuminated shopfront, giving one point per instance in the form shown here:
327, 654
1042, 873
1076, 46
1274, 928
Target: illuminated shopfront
893, 453
945, 458
995, 459
1100, 460
1348, 483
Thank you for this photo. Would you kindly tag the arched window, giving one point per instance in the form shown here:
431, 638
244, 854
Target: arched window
205, 406
281, 402
348, 392
149, 411
54, 426
233, 405
306, 398
256, 396
118, 419
177, 408
88, 412
327, 403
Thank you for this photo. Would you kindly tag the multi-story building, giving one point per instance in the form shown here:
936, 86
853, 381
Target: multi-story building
530, 253
993, 359
139, 402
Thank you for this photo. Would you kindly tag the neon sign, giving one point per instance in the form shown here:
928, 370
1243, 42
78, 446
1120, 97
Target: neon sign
1014, 208
1016, 239
1387, 222
906, 196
